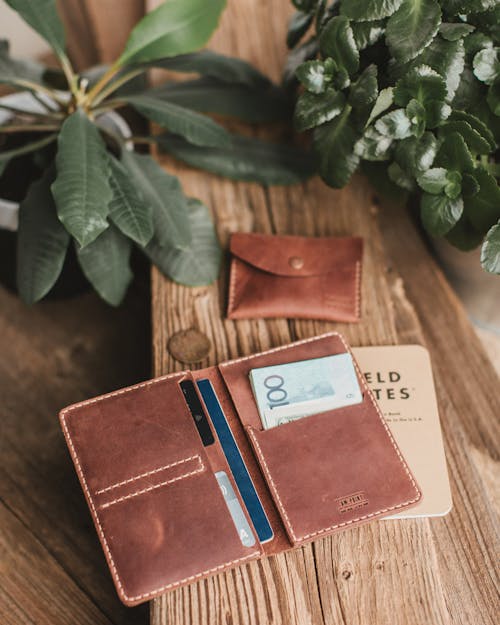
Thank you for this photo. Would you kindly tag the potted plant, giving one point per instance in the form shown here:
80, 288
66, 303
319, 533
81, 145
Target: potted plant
411, 92
80, 184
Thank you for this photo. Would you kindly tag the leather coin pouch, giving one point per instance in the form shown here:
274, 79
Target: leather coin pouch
295, 277
151, 480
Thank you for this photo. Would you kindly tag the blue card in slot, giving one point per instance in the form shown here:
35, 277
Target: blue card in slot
235, 462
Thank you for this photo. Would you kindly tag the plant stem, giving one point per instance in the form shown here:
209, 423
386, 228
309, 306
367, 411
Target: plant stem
43, 103
70, 74
116, 85
33, 87
29, 147
142, 140
17, 111
104, 80
107, 106
28, 128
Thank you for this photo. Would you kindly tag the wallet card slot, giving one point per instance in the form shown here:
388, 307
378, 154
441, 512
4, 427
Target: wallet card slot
150, 480
136, 439
331, 470
171, 536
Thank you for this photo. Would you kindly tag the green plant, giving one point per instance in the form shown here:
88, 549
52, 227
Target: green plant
410, 89
94, 191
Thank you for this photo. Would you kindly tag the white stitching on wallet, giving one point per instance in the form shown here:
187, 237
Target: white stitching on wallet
357, 307
237, 560
232, 285
271, 483
148, 473
93, 509
154, 486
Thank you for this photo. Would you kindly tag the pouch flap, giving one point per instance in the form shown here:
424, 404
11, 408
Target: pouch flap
295, 256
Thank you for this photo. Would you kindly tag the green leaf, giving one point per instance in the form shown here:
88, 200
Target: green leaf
487, 65
416, 155
196, 128
334, 144
463, 235
246, 159
420, 83
164, 193
365, 10
42, 16
384, 100
448, 59
315, 109
42, 241
473, 121
476, 143
316, 76
440, 213
483, 208
373, 146
81, 189
416, 113
493, 97
400, 177
453, 187
209, 95
412, 28
454, 31
337, 41
14, 71
208, 63
297, 28
364, 91
175, 27
304, 52
197, 264
490, 251
367, 33
477, 41
470, 186
433, 180
454, 154
128, 209
394, 124
106, 265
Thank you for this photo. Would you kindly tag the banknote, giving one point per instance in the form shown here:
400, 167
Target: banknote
298, 389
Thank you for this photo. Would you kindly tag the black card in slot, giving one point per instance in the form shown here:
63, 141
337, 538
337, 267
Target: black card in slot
197, 412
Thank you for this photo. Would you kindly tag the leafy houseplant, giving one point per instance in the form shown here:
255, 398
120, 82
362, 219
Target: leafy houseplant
91, 189
410, 90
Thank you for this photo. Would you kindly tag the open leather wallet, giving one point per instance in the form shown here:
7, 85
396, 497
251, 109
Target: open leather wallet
150, 479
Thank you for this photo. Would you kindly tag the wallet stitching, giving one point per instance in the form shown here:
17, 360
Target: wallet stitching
357, 307
154, 486
232, 286
148, 473
386, 427
94, 510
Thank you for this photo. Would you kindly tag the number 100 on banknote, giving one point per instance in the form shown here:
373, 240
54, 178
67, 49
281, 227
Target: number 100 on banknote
294, 390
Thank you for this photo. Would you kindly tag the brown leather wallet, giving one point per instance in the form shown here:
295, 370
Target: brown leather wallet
151, 488
295, 277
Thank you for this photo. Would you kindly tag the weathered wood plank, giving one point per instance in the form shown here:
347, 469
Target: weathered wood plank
54, 354
406, 572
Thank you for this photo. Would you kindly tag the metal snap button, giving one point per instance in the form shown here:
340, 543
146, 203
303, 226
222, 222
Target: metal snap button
296, 262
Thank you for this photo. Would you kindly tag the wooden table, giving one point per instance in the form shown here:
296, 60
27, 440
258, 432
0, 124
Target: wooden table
427, 571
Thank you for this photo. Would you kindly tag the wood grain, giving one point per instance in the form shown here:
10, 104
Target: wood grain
399, 572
